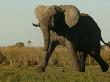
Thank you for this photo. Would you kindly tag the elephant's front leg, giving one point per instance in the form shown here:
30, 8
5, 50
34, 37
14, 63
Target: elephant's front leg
47, 55
72, 51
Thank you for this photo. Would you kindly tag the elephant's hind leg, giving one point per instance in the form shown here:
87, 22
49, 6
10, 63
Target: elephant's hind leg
82, 58
96, 55
47, 54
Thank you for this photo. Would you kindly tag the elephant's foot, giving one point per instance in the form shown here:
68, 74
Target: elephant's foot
82, 70
41, 68
105, 67
77, 69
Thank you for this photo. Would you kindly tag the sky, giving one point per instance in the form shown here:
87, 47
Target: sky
16, 17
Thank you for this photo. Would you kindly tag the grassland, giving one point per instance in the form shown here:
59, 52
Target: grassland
52, 74
20, 64
30, 56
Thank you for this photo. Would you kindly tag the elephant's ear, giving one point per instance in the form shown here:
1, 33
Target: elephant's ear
71, 14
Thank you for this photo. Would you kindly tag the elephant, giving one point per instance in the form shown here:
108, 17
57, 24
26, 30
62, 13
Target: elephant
84, 37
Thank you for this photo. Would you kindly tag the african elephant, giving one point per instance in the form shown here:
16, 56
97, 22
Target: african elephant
50, 17
83, 37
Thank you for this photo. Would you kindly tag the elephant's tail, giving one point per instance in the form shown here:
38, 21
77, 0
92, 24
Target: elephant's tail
104, 42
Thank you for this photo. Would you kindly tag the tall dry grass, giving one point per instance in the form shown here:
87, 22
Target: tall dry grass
31, 56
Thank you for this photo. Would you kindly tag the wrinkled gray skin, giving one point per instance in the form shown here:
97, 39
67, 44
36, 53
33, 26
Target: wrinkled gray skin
84, 38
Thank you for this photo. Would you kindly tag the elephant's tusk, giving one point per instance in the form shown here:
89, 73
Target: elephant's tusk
36, 25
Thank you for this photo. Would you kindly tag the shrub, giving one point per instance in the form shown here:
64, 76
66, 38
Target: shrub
31, 56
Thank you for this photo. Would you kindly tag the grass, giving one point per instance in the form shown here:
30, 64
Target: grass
30, 56
52, 74
19, 64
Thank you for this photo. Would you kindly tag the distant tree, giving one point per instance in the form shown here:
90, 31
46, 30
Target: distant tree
21, 44
29, 43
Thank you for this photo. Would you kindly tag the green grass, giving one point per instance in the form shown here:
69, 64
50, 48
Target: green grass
52, 74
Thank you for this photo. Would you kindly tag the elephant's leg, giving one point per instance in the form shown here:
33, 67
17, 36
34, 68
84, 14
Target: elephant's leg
82, 58
96, 55
47, 55
76, 63
46, 35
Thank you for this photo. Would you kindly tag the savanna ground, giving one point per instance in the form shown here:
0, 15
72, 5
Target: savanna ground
53, 74
20, 64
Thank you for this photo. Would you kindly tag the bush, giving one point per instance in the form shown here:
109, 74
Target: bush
31, 56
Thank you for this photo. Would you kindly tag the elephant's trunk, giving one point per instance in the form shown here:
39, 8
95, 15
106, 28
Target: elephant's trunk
46, 35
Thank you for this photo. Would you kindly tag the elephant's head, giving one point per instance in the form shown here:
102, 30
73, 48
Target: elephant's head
52, 16
48, 17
